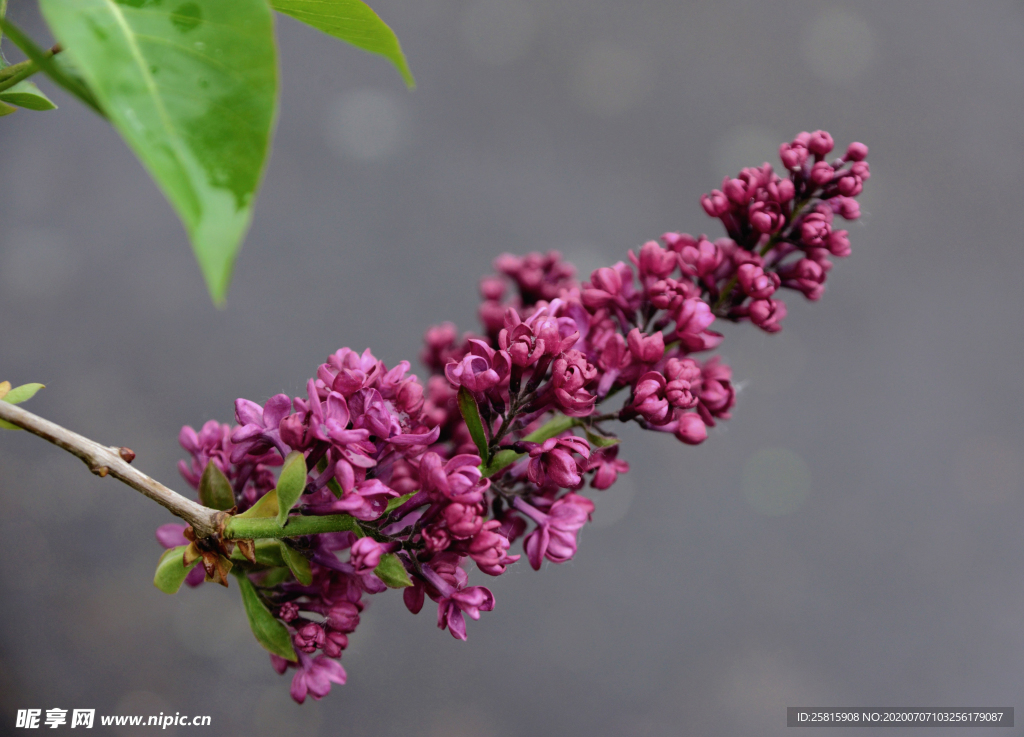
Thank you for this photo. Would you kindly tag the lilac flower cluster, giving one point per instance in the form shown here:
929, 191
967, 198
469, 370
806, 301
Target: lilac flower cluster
511, 424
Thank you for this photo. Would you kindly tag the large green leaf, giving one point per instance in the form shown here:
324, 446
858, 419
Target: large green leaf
191, 85
353, 21
270, 632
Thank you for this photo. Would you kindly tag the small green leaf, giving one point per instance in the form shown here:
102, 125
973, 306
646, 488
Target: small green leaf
471, 414
505, 458
275, 576
266, 506
171, 571
268, 553
22, 393
297, 563
57, 70
391, 571
25, 94
215, 489
290, 485
555, 426
352, 21
335, 488
191, 86
601, 441
399, 501
269, 630
6, 109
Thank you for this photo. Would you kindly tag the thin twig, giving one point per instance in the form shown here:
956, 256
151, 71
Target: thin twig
103, 460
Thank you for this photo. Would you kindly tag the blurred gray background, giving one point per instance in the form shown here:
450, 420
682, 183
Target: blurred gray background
852, 537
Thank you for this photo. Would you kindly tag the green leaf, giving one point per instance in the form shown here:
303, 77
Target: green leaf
265, 506
505, 458
22, 393
391, 571
335, 488
268, 553
25, 94
215, 489
399, 501
270, 632
471, 414
171, 571
353, 21
601, 441
6, 109
275, 576
290, 485
191, 85
297, 563
57, 70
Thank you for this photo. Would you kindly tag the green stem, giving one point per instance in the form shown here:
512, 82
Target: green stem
264, 527
10, 76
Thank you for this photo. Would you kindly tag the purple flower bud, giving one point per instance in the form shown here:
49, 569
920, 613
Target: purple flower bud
717, 395
570, 373
862, 170
463, 520
848, 207
856, 152
489, 549
366, 554
693, 317
715, 204
608, 467
766, 217
815, 229
309, 638
551, 461
646, 348
684, 379
756, 283
677, 241
473, 372
436, 538
691, 429
492, 288
736, 191
805, 275
822, 173
767, 314
605, 286
649, 398
839, 243
850, 185
288, 611
334, 643
700, 259
458, 479
654, 261
794, 154
820, 143
343, 615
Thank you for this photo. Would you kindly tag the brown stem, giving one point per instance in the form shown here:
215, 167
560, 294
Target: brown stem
104, 460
